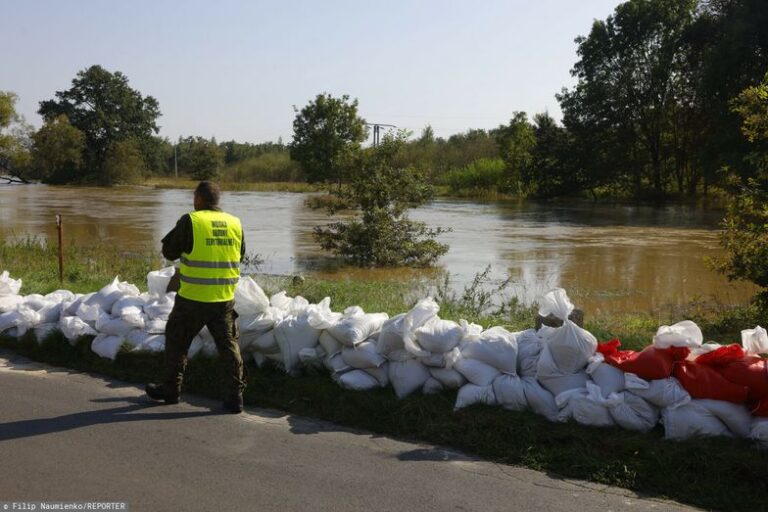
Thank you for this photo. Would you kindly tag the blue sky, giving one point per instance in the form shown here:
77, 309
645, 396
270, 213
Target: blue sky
234, 69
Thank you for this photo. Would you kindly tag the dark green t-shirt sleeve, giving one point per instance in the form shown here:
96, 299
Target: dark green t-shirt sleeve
179, 239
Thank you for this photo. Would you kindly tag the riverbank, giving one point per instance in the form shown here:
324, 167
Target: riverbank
724, 474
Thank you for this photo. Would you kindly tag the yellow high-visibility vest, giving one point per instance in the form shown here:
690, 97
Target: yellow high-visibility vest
211, 271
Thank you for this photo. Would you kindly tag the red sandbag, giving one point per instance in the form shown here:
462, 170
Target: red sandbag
701, 381
750, 371
722, 355
649, 364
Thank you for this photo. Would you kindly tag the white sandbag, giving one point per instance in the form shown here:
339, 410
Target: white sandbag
663, 393
43, 330
111, 293
22, 319
381, 374
155, 326
681, 334
634, 413
161, 306
564, 383
107, 345
112, 326
470, 394
196, 347
50, 313
357, 380
153, 343
136, 338
312, 357
754, 341
330, 344
759, 431
250, 299
89, 312
261, 322
449, 378
64, 296
476, 372
692, 420
293, 334
70, 307
36, 301
391, 335
496, 347
73, 327
407, 376
355, 326
540, 400
438, 335
528, 350
9, 286
433, 360
157, 280
566, 349
133, 316
588, 407
510, 392
609, 378
336, 364
735, 416
129, 302
424, 311
363, 355
432, 387
9, 302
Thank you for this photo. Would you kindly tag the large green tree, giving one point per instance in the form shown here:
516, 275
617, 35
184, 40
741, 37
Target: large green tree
327, 134
107, 110
516, 143
200, 158
57, 153
15, 137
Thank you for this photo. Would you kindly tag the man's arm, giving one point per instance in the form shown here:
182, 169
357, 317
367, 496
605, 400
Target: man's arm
179, 239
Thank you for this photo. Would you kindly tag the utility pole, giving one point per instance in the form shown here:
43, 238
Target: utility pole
377, 131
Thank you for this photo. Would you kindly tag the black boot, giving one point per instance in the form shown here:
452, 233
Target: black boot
234, 403
160, 392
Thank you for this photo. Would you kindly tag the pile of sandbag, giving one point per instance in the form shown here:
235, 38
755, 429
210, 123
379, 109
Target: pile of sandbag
562, 373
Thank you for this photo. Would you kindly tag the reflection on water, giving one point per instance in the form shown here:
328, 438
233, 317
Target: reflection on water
609, 258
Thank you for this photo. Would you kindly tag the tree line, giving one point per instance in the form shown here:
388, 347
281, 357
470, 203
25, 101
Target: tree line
651, 114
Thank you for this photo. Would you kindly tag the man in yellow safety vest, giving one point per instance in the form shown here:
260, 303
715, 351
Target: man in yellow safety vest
209, 246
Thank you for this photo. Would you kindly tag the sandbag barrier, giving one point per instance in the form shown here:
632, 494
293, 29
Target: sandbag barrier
562, 373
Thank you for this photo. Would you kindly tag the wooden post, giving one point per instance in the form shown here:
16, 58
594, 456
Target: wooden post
59, 229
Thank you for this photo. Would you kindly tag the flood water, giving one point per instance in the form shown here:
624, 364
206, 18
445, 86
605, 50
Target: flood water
608, 258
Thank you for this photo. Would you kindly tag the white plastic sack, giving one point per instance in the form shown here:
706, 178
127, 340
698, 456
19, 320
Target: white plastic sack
564, 383
496, 347
44, 329
510, 392
160, 307
681, 334
590, 408
106, 345
330, 344
407, 376
424, 311
36, 301
50, 313
9, 286
112, 326
528, 350
634, 413
355, 326
381, 374
73, 327
155, 326
293, 334
22, 318
566, 349
250, 299
471, 394
9, 302
449, 378
541, 401
476, 372
111, 293
438, 335
136, 338
692, 420
65, 296
432, 387
391, 335
362, 356
357, 380
663, 393
157, 280
153, 343
735, 416
130, 303
89, 312
755, 341
336, 364
609, 378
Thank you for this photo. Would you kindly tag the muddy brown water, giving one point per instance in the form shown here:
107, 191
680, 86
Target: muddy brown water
608, 258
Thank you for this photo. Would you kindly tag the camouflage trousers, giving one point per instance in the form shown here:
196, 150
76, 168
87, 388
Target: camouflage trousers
184, 323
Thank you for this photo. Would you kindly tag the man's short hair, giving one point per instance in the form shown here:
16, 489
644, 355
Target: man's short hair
208, 192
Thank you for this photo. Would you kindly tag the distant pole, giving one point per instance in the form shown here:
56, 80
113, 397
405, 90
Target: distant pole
175, 163
377, 131
60, 229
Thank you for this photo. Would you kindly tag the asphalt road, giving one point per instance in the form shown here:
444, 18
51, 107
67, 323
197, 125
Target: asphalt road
67, 436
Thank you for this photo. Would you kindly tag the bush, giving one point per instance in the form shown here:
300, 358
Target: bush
483, 174
268, 167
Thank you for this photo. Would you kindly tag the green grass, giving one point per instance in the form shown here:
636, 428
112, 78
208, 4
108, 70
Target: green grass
718, 473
